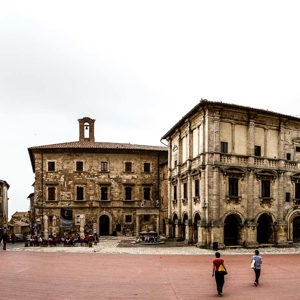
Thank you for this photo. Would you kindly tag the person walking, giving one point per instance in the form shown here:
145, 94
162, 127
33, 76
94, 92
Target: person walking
219, 276
257, 266
5, 240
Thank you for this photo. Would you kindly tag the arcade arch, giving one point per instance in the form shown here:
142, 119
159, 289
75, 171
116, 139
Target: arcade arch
232, 229
265, 231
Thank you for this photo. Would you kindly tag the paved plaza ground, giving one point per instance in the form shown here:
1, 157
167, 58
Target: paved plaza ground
108, 271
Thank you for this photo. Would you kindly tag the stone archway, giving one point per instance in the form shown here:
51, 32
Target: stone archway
197, 218
175, 221
296, 229
104, 225
232, 229
265, 229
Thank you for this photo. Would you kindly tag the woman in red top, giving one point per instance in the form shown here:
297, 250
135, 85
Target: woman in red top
219, 276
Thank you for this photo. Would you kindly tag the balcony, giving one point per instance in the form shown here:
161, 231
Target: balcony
231, 199
196, 199
184, 201
266, 201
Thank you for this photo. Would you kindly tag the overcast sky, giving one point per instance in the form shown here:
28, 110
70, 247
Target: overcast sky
136, 67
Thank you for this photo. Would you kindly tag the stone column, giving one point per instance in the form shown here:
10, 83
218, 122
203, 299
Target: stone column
251, 235
54, 226
167, 221
202, 242
46, 228
250, 195
280, 195
281, 233
82, 224
137, 225
157, 224
176, 229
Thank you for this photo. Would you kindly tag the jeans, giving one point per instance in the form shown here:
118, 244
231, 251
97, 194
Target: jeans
257, 274
219, 281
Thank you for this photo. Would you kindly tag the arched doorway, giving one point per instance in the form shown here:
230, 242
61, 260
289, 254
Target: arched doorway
104, 225
296, 230
175, 220
197, 218
264, 229
231, 230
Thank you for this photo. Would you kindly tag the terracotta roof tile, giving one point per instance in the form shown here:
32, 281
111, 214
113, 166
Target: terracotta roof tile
99, 145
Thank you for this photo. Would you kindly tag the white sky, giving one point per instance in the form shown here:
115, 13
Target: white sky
136, 67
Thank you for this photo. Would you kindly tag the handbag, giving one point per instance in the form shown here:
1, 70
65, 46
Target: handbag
222, 269
252, 264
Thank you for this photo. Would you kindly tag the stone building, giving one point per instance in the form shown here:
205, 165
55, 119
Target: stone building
89, 187
20, 223
4, 186
234, 176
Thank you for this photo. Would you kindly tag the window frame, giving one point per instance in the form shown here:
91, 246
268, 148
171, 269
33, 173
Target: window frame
197, 188
51, 166
80, 192
233, 187
128, 221
265, 189
147, 193
175, 192
128, 189
147, 167
104, 166
104, 188
257, 151
224, 147
79, 166
128, 167
297, 192
51, 191
185, 190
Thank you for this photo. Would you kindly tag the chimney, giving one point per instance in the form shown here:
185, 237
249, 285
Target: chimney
86, 129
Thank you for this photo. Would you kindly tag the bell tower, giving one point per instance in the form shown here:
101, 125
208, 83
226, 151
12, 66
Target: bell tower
86, 129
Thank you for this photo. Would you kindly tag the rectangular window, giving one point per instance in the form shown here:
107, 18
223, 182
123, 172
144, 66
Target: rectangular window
185, 190
197, 188
128, 218
233, 187
79, 166
147, 191
128, 166
79, 193
257, 151
288, 156
297, 148
224, 147
51, 166
128, 193
175, 192
297, 191
287, 197
146, 167
51, 193
104, 193
146, 218
265, 189
104, 166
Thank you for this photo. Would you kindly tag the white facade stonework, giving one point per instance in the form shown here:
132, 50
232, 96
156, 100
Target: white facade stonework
234, 176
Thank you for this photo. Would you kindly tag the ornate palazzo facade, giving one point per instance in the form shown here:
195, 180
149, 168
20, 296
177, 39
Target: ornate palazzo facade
88, 187
234, 176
